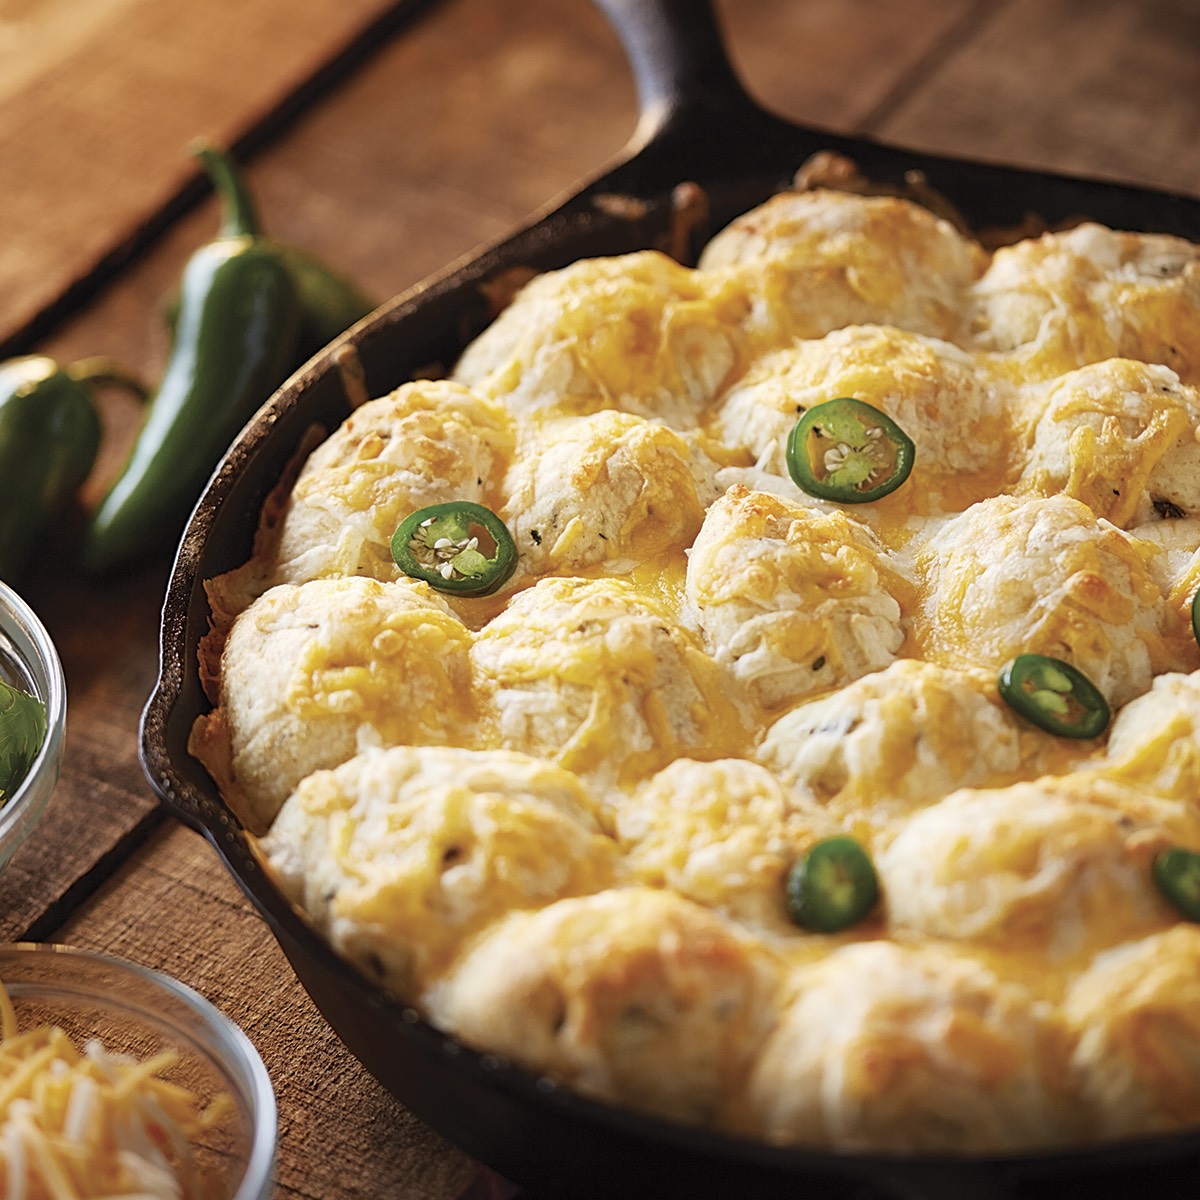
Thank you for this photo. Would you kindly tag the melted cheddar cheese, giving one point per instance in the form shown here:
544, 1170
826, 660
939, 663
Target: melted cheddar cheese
559, 819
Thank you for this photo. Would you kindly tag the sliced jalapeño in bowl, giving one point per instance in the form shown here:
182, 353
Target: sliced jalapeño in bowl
457, 547
832, 887
847, 450
1196, 616
22, 732
1054, 696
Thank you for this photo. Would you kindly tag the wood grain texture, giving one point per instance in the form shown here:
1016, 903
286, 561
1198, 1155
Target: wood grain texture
1093, 87
102, 100
832, 64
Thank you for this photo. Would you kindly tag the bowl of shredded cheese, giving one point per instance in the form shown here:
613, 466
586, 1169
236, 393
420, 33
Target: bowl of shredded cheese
117, 1081
33, 715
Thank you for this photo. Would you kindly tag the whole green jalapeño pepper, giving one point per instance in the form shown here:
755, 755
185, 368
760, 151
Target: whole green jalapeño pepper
239, 320
49, 438
329, 303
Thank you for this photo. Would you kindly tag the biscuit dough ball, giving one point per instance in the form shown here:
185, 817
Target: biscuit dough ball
823, 259
884, 1047
1063, 866
791, 599
311, 673
1122, 436
637, 332
601, 680
425, 443
723, 834
610, 488
400, 854
1050, 304
633, 995
955, 415
1042, 576
1154, 742
897, 740
1136, 1013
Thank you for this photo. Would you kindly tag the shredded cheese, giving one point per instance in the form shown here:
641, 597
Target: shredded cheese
76, 1124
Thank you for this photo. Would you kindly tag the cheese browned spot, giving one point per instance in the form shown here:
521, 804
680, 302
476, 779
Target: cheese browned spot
1042, 576
637, 333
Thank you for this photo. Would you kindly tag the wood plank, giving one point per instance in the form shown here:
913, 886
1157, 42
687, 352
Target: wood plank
101, 102
1107, 89
340, 1133
82, 92
829, 63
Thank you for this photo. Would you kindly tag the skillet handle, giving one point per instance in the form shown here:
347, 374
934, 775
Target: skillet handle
679, 62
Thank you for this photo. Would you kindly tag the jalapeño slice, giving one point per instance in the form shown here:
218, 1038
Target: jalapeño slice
832, 887
1054, 696
1177, 873
458, 547
847, 450
1196, 616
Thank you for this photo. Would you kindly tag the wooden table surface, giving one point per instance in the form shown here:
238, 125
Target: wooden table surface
389, 140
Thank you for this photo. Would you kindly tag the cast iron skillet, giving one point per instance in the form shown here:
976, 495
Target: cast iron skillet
697, 124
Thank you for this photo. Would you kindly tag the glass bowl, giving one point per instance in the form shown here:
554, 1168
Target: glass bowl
134, 1011
28, 660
